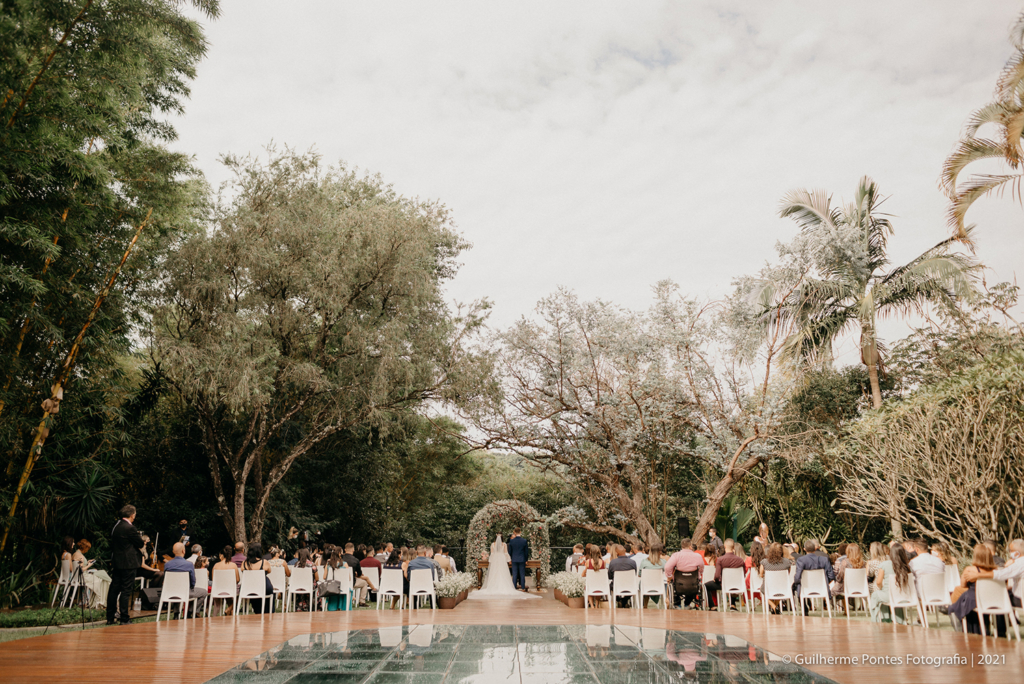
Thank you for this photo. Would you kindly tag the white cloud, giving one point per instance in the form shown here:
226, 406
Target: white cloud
604, 146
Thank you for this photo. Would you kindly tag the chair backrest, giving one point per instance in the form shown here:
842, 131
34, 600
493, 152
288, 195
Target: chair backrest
754, 579
254, 584
224, 584
390, 581
686, 583
202, 579
421, 581
905, 596
933, 590
992, 597
302, 581
732, 580
777, 584
855, 583
351, 575
652, 580
65, 571
175, 587
626, 581
709, 574
812, 583
278, 578
597, 582
373, 574
952, 577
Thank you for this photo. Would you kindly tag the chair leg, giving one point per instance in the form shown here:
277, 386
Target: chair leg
981, 621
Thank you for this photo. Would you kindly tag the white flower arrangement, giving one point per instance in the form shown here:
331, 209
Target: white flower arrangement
453, 584
569, 583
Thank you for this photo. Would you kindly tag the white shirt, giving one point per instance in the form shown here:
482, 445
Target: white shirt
638, 558
926, 564
1015, 572
193, 559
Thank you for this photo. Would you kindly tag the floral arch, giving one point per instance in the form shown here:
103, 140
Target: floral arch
500, 517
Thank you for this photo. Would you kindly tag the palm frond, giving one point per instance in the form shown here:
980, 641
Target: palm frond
941, 279
810, 209
978, 186
818, 332
992, 113
969, 150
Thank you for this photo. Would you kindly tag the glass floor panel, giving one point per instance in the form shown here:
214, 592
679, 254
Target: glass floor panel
517, 654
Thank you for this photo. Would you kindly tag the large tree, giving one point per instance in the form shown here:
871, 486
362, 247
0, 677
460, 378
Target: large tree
848, 285
612, 400
89, 196
312, 305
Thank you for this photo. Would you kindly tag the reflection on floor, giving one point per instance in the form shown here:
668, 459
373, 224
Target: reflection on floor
511, 654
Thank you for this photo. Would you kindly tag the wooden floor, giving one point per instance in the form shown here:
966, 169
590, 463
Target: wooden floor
195, 651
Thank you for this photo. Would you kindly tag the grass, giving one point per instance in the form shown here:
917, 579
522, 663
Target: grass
40, 617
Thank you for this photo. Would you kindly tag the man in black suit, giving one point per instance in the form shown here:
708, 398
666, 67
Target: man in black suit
126, 546
518, 553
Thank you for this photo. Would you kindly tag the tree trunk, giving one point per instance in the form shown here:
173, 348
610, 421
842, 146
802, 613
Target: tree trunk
239, 513
869, 354
718, 495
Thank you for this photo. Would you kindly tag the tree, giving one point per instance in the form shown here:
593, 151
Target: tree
85, 182
844, 253
611, 400
1006, 115
312, 305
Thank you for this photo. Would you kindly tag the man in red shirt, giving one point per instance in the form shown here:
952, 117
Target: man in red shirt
727, 560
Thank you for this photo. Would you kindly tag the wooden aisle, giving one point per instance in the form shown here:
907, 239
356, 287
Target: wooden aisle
197, 650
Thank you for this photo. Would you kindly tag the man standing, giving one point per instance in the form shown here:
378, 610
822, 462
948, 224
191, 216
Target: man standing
716, 541
518, 553
126, 548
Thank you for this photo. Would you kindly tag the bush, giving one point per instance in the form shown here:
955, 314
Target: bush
40, 617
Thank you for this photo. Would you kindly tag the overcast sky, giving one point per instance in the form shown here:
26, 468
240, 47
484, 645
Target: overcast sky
606, 146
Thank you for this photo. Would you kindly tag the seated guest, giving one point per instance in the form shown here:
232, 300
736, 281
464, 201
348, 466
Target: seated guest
1012, 571
607, 557
254, 561
924, 563
638, 554
753, 562
421, 562
964, 599
762, 535
710, 554
684, 560
78, 559
593, 562
774, 561
445, 554
574, 558
239, 556
812, 559
895, 570
619, 563
304, 559
197, 551
362, 584
941, 551
852, 558
878, 553
996, 558
331, 565
385, 552
370, 561
180, 564
226, 563
655, 560
277, 560
726, 560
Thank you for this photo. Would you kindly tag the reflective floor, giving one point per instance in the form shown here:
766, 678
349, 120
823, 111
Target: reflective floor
429, 654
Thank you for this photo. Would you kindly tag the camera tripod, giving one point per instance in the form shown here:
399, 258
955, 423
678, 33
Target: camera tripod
77, 575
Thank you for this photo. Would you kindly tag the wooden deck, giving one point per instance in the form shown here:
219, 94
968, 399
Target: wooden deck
195, 651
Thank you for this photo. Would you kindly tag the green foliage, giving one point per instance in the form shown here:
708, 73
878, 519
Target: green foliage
45, 616
733, 519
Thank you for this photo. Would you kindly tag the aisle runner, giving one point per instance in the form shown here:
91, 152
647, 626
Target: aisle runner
515, 654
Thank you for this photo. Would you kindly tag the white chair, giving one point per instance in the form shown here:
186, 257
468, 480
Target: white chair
301, 585
176, 589
345, 580
372, 575
933, 594
596, 587
708, 575
599, 635
626, 584
254, 586
422, 636
224, 588
777, 587
652, 583
62, 582
202, 587
855, 586
390, 637
421, 585
755, 583
952, 578
992, 598
279, 580
813, 585
391, 584
732, 585
905, 598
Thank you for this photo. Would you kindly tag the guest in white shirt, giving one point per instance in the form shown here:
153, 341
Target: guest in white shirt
575, 558
924, 563
197, 552
1012, 572
638, 556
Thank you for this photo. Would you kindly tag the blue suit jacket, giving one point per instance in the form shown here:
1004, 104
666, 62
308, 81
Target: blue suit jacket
813, 561
518, 550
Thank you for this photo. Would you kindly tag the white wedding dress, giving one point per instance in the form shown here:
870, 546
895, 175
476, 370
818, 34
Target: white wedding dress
498, 583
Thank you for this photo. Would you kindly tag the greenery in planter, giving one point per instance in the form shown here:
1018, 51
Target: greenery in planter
453, 584
569, 583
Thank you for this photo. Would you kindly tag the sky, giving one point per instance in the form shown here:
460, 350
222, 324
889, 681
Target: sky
606, 146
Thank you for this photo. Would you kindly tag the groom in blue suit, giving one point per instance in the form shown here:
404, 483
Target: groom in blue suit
518, 553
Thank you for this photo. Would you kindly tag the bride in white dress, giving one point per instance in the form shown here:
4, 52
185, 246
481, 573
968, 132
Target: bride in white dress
498, 583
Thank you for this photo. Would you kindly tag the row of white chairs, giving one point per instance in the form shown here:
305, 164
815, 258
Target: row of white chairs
627, 584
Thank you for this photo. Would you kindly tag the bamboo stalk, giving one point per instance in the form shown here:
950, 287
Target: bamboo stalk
52, 404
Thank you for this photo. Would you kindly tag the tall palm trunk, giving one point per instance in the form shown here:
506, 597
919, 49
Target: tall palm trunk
869, 354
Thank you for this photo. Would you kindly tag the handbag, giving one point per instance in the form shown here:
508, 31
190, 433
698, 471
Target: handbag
328, 588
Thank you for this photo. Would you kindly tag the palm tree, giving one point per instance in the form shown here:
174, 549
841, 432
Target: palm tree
1007, 114
849, 286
